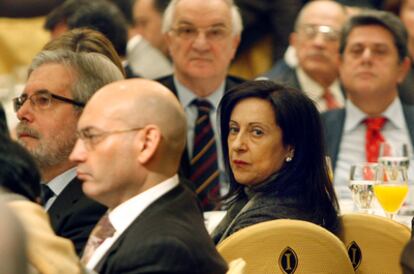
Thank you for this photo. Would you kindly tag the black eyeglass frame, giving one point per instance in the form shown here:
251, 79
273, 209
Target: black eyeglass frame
19, 101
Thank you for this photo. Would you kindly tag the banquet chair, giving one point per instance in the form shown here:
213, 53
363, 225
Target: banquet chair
374, 243
236, 266
287, 246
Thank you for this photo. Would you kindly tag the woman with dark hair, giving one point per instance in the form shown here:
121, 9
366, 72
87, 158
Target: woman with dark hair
274, 157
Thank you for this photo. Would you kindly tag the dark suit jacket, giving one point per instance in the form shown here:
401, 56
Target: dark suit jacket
73, 215
168, 81
333, 123
282, 73
3, 122
168, 237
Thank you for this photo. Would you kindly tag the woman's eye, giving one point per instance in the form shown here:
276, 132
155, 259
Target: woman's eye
257, 132
233, 130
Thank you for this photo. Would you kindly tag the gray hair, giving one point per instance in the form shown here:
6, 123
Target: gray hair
91, 70
236, 20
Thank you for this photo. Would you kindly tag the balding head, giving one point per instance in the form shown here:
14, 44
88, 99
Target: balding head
140, 102
132, 135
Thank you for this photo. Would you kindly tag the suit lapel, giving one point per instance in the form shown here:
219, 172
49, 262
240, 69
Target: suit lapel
64, 202
158, 205
333, 129
409, 120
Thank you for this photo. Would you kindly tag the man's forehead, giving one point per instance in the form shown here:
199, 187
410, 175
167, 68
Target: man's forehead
51, 77
209, 13
361, 33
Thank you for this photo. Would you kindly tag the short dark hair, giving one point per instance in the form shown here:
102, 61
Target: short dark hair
102, 16
299, 120
18, 170
384, 19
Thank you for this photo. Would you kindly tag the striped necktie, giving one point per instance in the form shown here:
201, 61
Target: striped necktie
204, 167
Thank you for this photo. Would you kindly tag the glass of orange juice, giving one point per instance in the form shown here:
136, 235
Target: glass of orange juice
391, 188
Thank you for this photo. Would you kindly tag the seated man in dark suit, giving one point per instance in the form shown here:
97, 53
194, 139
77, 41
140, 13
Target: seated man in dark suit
202, 38
374, 60
59, 84
131, 137
316, 46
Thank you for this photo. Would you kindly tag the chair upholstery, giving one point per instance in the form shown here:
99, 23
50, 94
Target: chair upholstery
287, 246
236, 266
374, 243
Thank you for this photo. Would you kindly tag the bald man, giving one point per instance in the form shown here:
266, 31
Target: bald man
131, 137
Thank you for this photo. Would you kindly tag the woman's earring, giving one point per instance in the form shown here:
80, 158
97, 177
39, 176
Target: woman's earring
290, 157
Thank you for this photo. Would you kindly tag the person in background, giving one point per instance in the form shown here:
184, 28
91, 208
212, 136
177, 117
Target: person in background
102, 16
20, 191
374, 60
405, 10
3, 121
202, 38
275, 172
148, 21
58, 86
85, 40
131, 137
316, 44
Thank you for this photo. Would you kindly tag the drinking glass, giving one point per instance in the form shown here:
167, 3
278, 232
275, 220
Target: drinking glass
362, 178
391, 188
394, 155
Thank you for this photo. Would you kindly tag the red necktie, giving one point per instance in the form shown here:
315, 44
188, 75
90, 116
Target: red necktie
99, 234
330, 100
373, 137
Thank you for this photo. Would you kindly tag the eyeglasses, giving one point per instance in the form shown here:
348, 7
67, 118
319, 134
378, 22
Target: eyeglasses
91, 139
42, 100
328, 33
215, 33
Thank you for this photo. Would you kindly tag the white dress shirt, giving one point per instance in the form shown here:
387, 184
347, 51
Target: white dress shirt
58, 183
352, 147
315, 91
124, 214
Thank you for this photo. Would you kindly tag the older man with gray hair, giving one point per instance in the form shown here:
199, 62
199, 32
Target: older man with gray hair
202, 38
59, 84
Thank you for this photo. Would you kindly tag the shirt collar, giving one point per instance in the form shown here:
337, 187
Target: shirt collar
58, 183
186, 96
124, 214
313, 88
394, 114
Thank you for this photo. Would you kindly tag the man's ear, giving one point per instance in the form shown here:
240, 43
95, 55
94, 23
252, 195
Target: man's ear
148, 143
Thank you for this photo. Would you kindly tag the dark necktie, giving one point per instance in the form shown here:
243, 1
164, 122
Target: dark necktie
103, 230
373, 137
204, 166
45, 193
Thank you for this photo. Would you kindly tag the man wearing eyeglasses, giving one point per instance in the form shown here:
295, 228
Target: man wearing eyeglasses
59, 85
131, 137
202, 38
315, 42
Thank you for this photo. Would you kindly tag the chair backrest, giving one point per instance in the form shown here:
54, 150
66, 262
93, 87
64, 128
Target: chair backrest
374, 243
236, 266
287, 246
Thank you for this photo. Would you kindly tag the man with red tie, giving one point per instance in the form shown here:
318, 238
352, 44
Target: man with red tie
374, 60
315, 41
